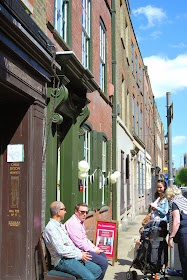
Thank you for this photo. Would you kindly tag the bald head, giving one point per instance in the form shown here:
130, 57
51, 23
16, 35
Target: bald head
55, 206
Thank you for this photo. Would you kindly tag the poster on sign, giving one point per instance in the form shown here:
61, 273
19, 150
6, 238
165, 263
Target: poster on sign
106, 237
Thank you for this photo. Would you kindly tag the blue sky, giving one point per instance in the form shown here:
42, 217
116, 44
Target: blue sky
161, 30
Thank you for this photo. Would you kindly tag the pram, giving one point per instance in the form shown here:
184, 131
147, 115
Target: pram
153, 251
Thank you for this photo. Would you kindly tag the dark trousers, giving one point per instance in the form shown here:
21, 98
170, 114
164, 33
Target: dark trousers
102, 261
182, 247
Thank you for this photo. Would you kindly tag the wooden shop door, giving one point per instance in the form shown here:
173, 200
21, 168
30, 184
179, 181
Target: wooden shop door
14, 205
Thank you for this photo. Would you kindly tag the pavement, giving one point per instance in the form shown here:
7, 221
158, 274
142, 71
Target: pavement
126, 240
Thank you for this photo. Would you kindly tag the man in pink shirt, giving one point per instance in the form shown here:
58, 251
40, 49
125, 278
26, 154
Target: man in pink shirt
76, 230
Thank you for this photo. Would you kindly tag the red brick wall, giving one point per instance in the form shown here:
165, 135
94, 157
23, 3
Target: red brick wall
100, 110
90, 221
77, 28
100, 114
39, 13
50, 11
100, 10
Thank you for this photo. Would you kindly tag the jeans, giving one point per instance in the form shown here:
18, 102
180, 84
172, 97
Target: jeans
102, 261
81, 270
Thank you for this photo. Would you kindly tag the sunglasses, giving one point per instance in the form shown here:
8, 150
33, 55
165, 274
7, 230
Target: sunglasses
63, 209
83, 212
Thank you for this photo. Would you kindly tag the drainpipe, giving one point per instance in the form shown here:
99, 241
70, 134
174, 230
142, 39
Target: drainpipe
143, 139
114, 112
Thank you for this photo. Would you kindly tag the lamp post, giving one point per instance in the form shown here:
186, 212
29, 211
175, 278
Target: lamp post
166, 157
169, 134
170, 171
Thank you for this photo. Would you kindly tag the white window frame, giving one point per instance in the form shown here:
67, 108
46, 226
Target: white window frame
86, 158
104, 159
87, 146
58, 175
140, 75
132, 50
141, 134
139, 179
102, 52
138, 125
133, 112
142, 179
61, 23
104, 156
136, 60
85, 32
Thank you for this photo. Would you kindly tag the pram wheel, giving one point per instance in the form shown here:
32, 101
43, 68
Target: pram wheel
131, 275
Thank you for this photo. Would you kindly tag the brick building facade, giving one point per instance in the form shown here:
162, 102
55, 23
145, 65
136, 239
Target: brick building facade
140, 130
74, 71
86, 36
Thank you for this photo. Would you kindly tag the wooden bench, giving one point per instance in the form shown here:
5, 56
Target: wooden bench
49, 272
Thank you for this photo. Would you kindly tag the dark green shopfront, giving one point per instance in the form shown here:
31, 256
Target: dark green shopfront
71, 139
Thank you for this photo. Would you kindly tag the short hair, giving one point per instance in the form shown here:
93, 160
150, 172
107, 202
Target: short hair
172, 191
77, 206
54, 207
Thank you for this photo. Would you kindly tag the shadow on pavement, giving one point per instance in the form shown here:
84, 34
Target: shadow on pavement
124, 262
122, 276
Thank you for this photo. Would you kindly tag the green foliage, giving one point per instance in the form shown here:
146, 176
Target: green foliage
177, 181
181, 177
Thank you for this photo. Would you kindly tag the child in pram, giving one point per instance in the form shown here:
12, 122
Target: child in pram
152, 253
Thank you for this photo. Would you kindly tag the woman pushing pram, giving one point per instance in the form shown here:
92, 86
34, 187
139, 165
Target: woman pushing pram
152, 252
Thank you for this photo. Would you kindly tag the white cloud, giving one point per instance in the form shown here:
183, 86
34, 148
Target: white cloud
154, 15
167, 75
179, 46
179, 140
155, 35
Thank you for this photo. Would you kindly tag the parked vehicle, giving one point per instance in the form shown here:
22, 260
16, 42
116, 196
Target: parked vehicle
184, 191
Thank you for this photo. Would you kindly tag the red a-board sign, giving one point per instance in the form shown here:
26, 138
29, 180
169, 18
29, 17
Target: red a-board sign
106, 237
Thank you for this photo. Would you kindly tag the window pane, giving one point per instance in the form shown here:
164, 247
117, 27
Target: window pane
136, 68
86, 158
133, 111
86, 32
83, 49
137, 119
102, 44
132, 50
87, 147
140, 75
139, 187
104, 156
61, 18
141, 125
